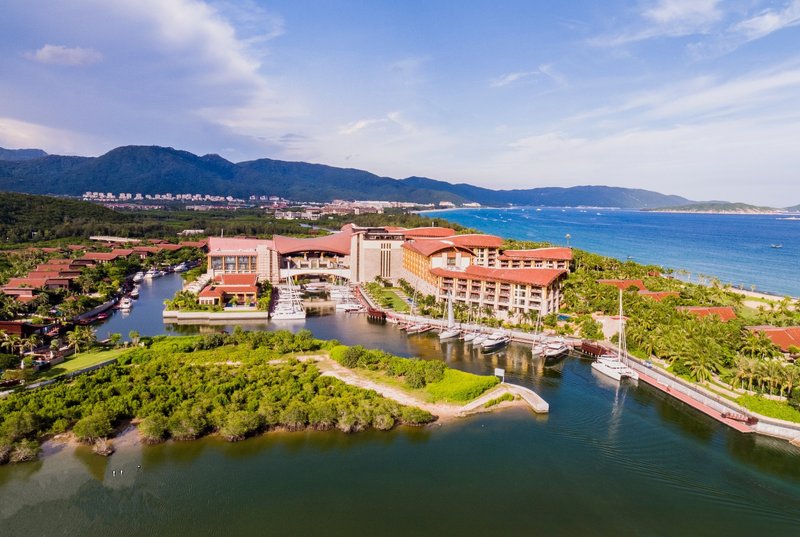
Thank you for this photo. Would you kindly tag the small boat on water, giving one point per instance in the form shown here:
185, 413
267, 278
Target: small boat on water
494, 342
183, 267
135, 292
138, 277
125, 304
776, 245
469, 337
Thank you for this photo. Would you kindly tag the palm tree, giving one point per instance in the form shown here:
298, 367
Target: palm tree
134, 335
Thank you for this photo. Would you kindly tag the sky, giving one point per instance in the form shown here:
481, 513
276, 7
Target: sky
699, 98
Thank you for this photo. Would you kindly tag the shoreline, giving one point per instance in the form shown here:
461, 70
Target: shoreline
128, 436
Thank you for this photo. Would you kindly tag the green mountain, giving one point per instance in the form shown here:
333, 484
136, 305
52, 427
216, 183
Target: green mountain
718, 207
21, 154
154, 170
24, 217
795, 209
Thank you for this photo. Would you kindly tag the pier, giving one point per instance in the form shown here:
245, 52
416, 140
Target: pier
533, 400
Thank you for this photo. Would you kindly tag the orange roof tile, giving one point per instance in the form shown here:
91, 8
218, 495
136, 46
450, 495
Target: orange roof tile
428, 232
557, 254
725, 313
476, 240
539, 277
338, 243
658, 296
428, 247
236, 279
782, 337
236, 244
624, 284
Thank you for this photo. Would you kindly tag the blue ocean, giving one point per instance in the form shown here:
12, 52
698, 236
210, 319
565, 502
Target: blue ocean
737, 249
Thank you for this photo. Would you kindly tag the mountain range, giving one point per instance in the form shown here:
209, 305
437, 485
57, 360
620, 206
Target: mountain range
158, 170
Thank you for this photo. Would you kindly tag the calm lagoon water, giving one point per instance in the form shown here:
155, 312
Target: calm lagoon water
735, 248
608, 459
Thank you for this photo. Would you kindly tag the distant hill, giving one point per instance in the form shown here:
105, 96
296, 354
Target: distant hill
24, 217
718, 208
795, 209
21, 154
154, 170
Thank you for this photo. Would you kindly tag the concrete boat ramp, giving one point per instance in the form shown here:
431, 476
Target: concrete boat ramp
531, 398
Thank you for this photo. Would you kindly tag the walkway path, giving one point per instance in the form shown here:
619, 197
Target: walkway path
329, 367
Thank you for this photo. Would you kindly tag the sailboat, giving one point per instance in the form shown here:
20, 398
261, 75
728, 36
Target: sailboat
469, 335
450, 331
615, 366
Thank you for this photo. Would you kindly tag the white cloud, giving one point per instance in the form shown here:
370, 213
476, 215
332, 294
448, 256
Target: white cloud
62, 55
546, 70
769, 21
15, 133
683, 12
510, 78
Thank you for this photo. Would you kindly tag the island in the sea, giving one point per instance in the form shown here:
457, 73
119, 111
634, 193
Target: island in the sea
723, 208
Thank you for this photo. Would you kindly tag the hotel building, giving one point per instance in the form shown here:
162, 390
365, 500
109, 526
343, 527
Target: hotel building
473, 267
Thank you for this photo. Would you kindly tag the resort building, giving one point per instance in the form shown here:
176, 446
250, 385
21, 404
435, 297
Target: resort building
786, 338
507, 292
723, 313
432, 259
624, 284
227, 287
553, 258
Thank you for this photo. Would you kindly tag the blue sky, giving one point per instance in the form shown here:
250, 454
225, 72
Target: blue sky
693, 97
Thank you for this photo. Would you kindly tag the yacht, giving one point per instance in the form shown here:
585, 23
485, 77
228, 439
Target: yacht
614, 366
495, 341
138, 277
125, 304
555, 349
469, 337
135, 292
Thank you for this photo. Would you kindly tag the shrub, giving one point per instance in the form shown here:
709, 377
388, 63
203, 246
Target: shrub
239, 425
497, 400
187, 424
94, 426
154, 428
460, 386
24, 450
415, 416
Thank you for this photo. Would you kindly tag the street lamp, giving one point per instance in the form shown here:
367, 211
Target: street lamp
568, 237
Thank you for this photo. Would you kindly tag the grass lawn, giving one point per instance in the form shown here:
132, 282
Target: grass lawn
767, 407
388, 297
82, 360
460, 387
455, 387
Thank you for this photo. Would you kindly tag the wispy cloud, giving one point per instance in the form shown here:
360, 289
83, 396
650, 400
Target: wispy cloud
546, 70
769, 21
63, 55
666, 18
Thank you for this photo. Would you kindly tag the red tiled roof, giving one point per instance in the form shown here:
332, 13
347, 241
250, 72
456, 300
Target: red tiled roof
782, 337
234, 289
214, 292
476, 240
58, 261
540, 277
100, 256
338, 243
146, 249
169, 247
659, 295
428, 247
556, 253
236, 279
122, 252
33, 283
428, 232
194, 244
235, 244
624, 284
725, 313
